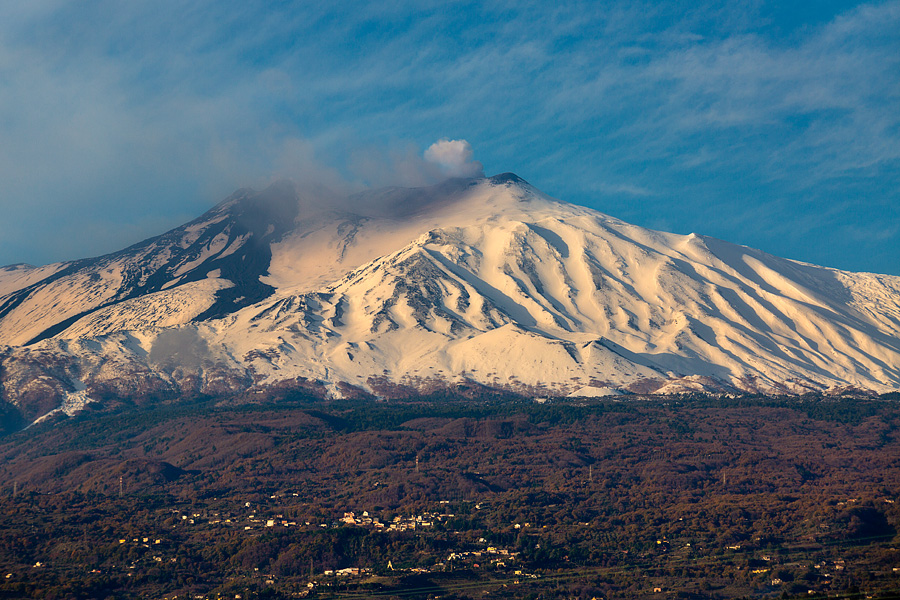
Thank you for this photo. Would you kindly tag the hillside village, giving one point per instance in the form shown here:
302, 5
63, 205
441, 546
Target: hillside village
711, 498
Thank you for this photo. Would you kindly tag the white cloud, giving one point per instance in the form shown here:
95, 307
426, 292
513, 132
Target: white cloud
454, 157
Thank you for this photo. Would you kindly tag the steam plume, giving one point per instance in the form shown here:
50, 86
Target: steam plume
179, 348
454, 157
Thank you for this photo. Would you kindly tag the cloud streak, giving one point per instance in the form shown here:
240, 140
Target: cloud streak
715, 110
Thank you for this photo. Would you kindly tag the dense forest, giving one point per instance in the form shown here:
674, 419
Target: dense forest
452, 497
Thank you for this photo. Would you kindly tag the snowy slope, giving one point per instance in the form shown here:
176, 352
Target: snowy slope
518, 288
229, 246
485, 280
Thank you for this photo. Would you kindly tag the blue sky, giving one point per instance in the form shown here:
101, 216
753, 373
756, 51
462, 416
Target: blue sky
770, 124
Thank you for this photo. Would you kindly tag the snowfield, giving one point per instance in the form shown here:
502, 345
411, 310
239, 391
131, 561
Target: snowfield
486, 281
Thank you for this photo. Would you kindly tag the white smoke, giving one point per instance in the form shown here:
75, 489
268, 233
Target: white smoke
454, 157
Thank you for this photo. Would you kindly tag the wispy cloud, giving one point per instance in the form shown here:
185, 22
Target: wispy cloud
713, 110
622, 188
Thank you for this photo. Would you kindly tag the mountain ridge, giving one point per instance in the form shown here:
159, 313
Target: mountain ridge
479, 281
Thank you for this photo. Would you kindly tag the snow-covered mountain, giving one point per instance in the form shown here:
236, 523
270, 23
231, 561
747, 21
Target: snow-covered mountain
206, 268
478, 281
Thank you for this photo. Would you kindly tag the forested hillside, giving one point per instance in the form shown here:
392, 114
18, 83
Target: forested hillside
460, 498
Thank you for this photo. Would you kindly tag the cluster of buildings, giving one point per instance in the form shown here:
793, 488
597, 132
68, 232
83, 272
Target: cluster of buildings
412, 523
492, 555
348, 572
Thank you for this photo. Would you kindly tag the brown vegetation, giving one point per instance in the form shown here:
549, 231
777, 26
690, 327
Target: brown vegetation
701, 497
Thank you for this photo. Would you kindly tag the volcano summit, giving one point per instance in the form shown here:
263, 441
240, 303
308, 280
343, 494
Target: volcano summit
476, 282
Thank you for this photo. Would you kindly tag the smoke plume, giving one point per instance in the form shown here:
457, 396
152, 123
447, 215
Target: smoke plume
179, 348
454, 157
